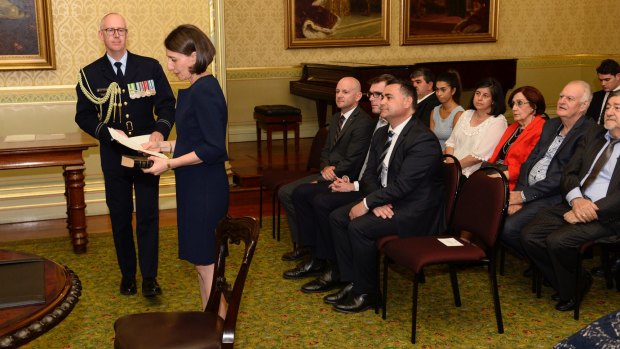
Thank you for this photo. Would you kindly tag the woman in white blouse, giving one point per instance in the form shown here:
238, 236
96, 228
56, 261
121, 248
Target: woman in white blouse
480, 128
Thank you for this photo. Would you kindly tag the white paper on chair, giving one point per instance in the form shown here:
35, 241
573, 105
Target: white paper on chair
134, 143
450, 242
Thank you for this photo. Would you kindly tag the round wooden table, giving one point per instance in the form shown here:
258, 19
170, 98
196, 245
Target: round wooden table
19, 325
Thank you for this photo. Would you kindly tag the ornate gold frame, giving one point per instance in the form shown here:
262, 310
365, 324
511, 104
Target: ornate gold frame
408, 38
294, 42
45, 58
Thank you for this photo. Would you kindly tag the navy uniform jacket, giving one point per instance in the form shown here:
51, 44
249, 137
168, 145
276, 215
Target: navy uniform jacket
136, 115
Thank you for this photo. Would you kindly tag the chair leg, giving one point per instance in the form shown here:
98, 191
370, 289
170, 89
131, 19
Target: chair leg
496, 303
378, 281
278, 213
578, 294
260, 206
414, 307
274, 198
605, 264
502, 259
455, 285
385, 288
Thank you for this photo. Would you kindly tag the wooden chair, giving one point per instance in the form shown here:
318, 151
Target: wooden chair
452, 178
480, 211
273, 179
197, 329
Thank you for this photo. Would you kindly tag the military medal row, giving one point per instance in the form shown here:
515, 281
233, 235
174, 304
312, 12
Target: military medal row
141, 89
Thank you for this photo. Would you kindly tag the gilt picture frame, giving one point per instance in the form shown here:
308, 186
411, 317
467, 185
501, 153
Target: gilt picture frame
425, 22
337, 23
27, 35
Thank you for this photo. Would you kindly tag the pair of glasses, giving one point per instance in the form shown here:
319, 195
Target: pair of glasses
518, 103
111, 31
375, 95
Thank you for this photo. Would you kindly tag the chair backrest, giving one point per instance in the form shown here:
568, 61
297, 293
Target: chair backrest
452, 178
232, 231
481, 206
320, 138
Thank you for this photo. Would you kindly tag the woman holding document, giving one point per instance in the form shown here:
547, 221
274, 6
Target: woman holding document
199, 151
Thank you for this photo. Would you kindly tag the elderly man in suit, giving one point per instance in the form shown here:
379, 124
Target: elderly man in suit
591, 210
142, 91
343, 154
539, 181
404, 179
608, 74
423, 80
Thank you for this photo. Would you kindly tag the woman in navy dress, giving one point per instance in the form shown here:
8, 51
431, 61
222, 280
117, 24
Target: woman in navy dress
199, 151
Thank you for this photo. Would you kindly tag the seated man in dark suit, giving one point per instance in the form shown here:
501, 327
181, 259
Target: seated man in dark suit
608, 74
591, 188
404, 179
539, 181
343, 154
423, 80
313, 204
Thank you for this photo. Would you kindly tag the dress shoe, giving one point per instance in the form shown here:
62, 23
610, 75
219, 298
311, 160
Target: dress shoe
295, 254
150, 287
328, 281
555, 297
128, 286
334, 298
528, 272
356, 303
566, 305
313, 267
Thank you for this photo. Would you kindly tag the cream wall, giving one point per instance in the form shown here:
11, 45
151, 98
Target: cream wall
555, 41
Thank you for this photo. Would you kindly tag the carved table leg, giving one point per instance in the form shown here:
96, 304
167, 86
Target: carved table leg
74, 188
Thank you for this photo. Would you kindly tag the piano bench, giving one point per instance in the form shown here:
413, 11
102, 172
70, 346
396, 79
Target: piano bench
276, 118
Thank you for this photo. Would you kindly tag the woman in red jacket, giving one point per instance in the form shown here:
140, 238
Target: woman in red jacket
528, 110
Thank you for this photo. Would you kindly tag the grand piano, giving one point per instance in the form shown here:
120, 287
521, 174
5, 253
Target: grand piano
318, 81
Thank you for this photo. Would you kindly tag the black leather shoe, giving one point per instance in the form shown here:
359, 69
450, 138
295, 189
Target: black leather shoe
334, 298
128, 286
295, 254
328, 281
150, 287
566, 305
356, 303
555, 297
313, 267
598, 271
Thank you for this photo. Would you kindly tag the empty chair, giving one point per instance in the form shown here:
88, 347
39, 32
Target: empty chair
479, 212
197, 329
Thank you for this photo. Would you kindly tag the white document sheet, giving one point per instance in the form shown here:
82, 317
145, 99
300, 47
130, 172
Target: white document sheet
134, 143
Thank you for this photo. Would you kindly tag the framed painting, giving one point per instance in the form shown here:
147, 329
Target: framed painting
27, 36
337, 23
426, 22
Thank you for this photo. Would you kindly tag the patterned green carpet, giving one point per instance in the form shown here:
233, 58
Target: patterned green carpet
275, 314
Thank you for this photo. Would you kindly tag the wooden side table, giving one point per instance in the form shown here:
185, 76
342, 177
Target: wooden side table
275, 118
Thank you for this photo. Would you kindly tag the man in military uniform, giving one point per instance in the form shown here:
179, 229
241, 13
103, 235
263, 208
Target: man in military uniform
122, 90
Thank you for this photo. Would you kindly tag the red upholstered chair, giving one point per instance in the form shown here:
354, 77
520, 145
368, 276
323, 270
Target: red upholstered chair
452, 178
197, 329
273, 179
480, 212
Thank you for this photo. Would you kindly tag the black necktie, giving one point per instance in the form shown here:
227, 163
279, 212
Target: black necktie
384, 152
340, 124
119, 72
600, 163
601, 116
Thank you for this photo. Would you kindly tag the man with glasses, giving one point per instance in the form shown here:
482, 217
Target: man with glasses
313, 206
590, 210
122, 90
538, 185
349, 134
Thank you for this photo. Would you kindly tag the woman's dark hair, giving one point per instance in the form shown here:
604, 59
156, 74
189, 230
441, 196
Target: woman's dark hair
497, 95
453, 79
187, 39
533, 95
